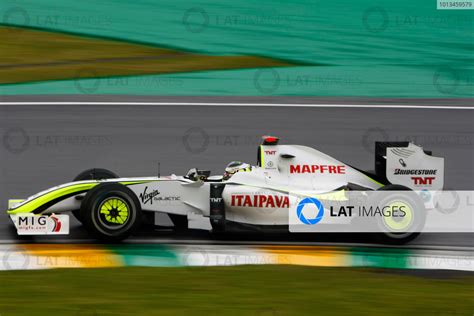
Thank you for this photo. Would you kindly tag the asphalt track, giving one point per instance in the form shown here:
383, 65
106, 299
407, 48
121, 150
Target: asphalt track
44, 145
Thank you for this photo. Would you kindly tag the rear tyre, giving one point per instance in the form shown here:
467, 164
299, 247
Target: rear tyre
92, 174
413, 221
111, 212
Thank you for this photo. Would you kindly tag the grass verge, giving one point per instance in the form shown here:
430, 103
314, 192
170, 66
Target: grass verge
28, 55
238, 290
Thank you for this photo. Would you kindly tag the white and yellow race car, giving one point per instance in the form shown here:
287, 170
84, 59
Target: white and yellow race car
283, 186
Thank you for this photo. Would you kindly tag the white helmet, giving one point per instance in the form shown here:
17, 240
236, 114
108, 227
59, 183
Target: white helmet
234, 167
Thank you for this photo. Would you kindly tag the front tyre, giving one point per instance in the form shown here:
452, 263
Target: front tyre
111, 212
92, 174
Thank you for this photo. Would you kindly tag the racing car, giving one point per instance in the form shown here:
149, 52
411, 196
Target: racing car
245, 197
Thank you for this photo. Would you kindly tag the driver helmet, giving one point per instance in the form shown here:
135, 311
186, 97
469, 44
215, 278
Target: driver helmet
234, 167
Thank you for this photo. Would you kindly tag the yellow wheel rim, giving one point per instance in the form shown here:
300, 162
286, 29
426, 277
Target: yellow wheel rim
399, 223
114, 210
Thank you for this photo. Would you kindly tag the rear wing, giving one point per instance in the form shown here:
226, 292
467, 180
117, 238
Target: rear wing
409, 165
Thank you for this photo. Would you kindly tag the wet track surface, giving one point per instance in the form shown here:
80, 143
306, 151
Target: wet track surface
46, 145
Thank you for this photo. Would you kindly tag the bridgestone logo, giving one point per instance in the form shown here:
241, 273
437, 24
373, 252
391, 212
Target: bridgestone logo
415, 172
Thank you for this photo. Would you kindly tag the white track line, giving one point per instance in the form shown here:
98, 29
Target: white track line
369, 106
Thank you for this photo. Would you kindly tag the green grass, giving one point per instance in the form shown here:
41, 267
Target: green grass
249, 290
28, 55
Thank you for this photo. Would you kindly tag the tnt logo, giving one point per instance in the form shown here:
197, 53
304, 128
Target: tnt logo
423, 180
270, 152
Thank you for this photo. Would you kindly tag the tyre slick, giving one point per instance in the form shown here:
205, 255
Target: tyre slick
95, 174
111, 212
